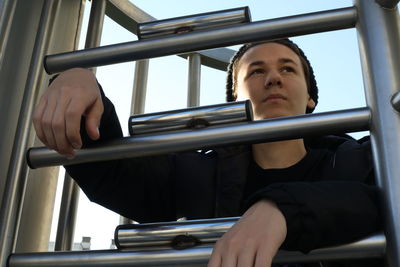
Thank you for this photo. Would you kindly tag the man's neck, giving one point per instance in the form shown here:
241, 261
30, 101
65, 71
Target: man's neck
280, 154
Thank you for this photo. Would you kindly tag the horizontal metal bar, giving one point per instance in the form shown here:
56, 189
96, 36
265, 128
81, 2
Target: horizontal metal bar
164, 234
351, 120
256, 31
203, 21
371, 247
194, 117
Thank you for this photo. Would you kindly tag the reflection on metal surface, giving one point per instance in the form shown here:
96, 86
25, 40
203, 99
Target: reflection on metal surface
372, 247
191, 23
164, 234
191, 118
330, 20
351, 120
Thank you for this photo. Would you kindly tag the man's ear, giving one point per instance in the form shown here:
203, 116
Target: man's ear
311, 103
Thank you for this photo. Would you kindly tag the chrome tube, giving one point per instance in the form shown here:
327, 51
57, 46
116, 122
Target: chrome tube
379, 41
171, 234
251, 132
67, 215
330, 20
70, 194
371, 247
139, 86
194, 62
191, 118
17, 172
204, 21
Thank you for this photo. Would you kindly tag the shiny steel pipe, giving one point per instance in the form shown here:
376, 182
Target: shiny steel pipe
191, 118
330, 20
371, 247
172, 234
203, 21
351, 120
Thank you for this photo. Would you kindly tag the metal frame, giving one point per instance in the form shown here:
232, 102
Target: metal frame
379, 34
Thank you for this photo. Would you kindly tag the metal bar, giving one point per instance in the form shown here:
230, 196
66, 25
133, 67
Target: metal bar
210, 20
67, 217
163, 234
128, 15
194, 80
7, 10
379, 42
140, 86
372, 247
191, 118
70, 194
95, 26
268, 29
16, 177
257, 131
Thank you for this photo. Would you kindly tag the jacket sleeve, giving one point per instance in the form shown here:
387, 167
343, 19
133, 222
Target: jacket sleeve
138, 188
329, 211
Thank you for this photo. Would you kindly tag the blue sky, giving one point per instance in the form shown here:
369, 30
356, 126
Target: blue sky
334, 56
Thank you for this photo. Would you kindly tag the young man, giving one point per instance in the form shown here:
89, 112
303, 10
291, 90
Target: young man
292, 194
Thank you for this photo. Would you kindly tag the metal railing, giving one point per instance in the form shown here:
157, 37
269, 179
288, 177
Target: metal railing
378, 34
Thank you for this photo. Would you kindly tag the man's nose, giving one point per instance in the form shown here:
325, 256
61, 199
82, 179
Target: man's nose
273, 78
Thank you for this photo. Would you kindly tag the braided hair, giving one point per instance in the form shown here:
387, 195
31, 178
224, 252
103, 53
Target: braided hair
231, 93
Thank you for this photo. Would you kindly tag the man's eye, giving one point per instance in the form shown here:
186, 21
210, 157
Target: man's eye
256, 71
288, 69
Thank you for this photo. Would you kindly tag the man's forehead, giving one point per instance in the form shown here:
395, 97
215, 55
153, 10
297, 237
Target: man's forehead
263, 53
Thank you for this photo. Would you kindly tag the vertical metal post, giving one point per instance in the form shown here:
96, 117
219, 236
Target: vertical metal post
138, 101
70, 195
139, 86
7, 9
16, 176
194, 80
67, 218
379, 42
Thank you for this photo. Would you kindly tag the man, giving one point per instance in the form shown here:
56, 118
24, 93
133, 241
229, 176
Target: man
291, 195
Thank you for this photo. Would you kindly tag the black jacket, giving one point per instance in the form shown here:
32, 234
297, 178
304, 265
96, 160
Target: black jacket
336, 204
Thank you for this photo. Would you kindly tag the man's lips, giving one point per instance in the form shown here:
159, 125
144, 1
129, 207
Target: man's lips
274, 97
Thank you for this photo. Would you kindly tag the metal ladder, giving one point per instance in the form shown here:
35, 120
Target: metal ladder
378, 34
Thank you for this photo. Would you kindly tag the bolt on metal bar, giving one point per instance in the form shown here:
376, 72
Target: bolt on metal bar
379, 41
371, 247
256, 131
330, 20
17, 174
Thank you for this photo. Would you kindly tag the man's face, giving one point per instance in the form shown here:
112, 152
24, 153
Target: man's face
272, 77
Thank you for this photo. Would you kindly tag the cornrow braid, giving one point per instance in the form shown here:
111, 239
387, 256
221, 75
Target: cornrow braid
312, 88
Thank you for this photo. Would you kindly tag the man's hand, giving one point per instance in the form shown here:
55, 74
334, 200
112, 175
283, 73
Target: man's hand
253, 240
57, 117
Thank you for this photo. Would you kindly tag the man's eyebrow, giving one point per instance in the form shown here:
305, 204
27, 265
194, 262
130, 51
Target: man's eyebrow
256, 63
280, 60
287, 60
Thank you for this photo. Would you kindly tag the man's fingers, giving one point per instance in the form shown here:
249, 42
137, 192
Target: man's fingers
246, 256
59, 129
93, 117
215, 259
47, 124
263, 259
37, 119
73, 116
